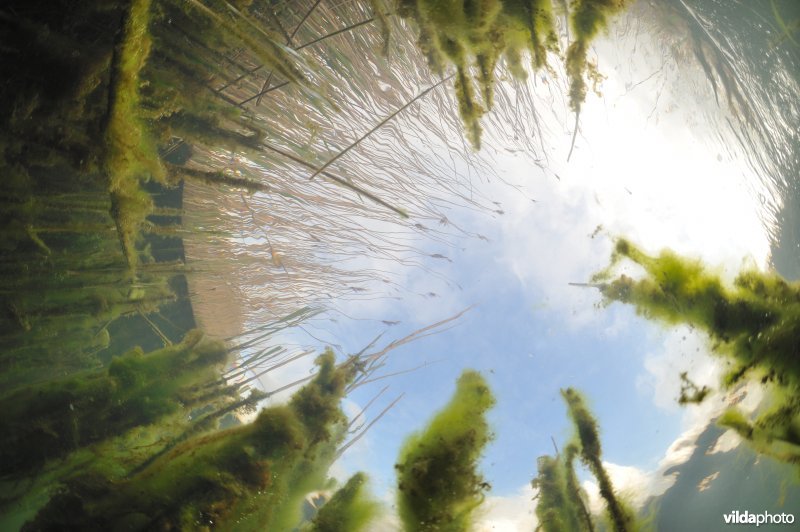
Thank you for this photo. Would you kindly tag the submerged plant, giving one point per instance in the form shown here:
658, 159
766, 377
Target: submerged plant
439, 487
47, 421
349, 509
587, 19
753, 324
233, 478
473, 36
561, 501
620, 516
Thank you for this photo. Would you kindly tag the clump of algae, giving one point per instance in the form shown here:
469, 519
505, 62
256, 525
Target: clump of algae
130, 156
439, 486
349, 509
472, 36
560, 505
47, 421
587, 19
561, 501
753, 324
221, 479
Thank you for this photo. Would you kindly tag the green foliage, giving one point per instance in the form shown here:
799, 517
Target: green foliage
620, 516
237, 478
349, 509
753, 324
587, 18
439, 486
560, 500
472, 36
46, 421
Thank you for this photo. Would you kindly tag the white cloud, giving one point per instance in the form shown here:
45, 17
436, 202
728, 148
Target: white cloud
514, 513
682, 350
633, 486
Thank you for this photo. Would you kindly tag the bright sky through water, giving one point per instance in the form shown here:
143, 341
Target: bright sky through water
651, 163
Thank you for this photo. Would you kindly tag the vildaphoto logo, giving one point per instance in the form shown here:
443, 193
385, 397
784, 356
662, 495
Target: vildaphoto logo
763, 518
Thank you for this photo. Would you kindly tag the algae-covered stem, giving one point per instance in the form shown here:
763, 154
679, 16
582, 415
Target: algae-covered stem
590, 450
561, 500
127, 155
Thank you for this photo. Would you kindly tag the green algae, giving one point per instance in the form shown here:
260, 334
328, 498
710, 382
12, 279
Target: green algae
47, 421
587, 19
691, 393
561, 501
235, 478
130, 155
472, 36
620, 516
349, 509
753, 324
439, 487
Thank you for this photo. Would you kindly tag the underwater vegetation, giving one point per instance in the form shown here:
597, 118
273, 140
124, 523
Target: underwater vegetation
139, 87
753, 324
439, 487
561, 502
219, 479
103, 102
350, 509
46, 421
472, 37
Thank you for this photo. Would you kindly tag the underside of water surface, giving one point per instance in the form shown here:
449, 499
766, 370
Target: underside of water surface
419, 265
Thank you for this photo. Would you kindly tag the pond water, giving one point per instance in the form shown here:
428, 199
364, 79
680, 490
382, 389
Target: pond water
295, 179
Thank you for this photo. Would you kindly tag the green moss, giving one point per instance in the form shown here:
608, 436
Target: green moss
753, 324
471, 36
240, 478
559, 497
588, 439
46, 421
349, 509
130, 157
439, 487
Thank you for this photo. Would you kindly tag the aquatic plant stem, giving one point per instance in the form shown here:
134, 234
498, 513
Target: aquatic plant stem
289, 43
336, 179
380, 125
574, 134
